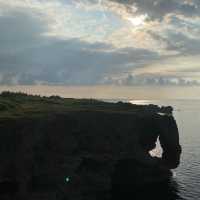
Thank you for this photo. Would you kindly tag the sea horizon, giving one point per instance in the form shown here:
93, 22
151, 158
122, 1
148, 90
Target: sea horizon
110, 92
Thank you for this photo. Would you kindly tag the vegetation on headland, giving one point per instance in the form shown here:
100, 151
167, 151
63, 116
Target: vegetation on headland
19, 104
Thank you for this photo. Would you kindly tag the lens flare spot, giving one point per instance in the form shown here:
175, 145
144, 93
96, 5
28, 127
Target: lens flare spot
67, 179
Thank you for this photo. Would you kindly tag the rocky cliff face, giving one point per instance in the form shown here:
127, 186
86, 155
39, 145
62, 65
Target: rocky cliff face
78, 152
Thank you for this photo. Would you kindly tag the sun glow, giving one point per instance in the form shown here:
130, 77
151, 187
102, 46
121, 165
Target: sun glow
138, 20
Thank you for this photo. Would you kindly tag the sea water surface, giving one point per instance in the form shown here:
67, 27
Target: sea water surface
186, 180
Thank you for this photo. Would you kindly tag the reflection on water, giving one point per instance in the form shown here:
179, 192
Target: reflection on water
168, 190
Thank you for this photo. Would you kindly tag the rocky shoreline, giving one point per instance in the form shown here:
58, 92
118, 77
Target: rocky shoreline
76, 148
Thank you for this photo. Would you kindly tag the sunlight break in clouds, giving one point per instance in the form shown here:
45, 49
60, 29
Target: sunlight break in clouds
138, 20
95, 42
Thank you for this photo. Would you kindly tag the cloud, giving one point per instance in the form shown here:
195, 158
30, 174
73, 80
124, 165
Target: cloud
99, 42
157, 9
152, 80
19, 31
29, 56
72, 62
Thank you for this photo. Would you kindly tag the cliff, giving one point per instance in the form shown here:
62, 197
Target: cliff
56, 148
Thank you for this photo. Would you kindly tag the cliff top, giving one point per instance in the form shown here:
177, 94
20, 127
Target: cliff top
16, 105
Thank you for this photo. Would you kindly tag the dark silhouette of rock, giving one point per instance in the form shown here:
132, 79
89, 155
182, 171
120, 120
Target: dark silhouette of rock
8, 188
165, 190
75, 149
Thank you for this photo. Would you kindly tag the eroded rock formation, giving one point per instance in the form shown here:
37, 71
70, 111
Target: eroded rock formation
54, 148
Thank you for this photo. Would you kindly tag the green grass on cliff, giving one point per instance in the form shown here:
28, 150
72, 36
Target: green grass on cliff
13, 105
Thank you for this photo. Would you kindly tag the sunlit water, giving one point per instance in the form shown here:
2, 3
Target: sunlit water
187, 175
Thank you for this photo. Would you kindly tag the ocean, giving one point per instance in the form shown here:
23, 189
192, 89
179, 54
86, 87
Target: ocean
186, 180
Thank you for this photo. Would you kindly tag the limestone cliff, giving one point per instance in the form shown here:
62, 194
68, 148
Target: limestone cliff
54, 148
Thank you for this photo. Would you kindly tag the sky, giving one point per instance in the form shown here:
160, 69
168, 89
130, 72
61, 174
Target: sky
100, 42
